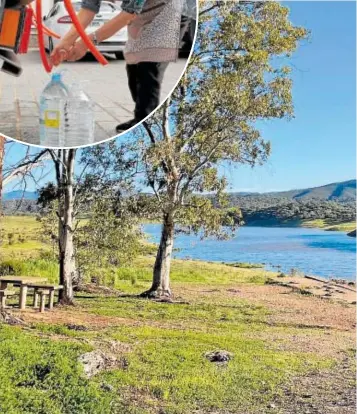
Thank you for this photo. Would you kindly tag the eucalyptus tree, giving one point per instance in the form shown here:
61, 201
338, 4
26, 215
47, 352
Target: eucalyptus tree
70, 183
238, 75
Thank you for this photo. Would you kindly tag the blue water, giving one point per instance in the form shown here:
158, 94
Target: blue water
312, 251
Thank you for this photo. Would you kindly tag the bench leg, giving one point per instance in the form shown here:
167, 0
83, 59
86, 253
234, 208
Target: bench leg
52, 298
42, 302
2, 300
23, 296
35, 299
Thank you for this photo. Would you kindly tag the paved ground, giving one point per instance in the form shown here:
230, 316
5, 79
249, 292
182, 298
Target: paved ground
107, 87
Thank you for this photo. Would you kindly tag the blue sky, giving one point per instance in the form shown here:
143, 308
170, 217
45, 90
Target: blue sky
318, 146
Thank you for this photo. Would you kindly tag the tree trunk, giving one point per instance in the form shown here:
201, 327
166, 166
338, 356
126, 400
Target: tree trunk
161, 275
2, 152
67, 262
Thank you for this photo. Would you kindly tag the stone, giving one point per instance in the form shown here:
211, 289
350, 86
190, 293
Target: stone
220, 356
107, 387
95, 361
73, 327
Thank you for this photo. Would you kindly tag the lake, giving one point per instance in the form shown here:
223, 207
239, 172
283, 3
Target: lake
312, 251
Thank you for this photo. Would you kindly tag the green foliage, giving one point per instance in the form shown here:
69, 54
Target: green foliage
109, 239
43, 377
48, 232
35, 267
272, 210
10, 238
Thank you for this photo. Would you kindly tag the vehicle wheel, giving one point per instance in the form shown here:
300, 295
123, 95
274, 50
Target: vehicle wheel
119, 55
50, 45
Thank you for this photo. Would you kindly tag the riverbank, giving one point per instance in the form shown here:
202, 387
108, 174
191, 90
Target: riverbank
330, 225
327, 225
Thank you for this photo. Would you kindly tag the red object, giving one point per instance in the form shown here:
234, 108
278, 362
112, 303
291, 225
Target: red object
64, 19
46, 30
41, 44
25, 38
72, 14
100, 58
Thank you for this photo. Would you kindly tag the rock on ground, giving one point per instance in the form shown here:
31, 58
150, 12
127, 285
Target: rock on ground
95, 361
219, 356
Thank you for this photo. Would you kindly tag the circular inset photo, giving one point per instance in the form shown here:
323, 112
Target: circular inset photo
74, 73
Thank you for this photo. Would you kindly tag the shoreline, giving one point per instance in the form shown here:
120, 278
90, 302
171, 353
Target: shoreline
272, 269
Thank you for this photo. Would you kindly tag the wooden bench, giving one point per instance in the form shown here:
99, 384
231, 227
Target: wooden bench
42, 292
4, 293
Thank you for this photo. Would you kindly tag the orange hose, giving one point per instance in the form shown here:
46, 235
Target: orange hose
100, 58
41, 44
46, 30
41, 30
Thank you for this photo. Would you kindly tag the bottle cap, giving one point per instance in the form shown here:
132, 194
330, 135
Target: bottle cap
56, 77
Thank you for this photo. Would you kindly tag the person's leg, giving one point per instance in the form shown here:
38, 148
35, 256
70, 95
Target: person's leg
147, 89
131, 71
185, 23
150, 76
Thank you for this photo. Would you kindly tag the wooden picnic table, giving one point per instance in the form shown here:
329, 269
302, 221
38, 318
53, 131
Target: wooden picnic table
38, 284
24, 282
17, 280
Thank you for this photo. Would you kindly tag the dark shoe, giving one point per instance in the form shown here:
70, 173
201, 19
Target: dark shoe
126, 125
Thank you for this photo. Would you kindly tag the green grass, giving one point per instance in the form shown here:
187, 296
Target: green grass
43, 376
330, 225
244, 265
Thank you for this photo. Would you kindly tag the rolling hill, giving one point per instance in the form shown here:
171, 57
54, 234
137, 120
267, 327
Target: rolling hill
341, 192
18, 195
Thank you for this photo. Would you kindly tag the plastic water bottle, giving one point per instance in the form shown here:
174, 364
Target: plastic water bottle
79, 117
52, 112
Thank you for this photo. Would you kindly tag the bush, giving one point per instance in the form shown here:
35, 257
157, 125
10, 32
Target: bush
11, 237
21, 239
31, 267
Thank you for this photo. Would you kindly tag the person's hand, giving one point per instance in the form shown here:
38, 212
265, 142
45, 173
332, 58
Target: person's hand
78, 51
60, 52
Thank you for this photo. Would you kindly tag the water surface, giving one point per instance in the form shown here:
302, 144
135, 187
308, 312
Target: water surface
312, 251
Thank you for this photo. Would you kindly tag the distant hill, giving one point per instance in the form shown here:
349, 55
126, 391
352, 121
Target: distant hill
19, 195
334, 203
344, 191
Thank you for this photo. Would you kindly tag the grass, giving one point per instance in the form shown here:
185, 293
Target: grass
330, 225
43, 376
161, 366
